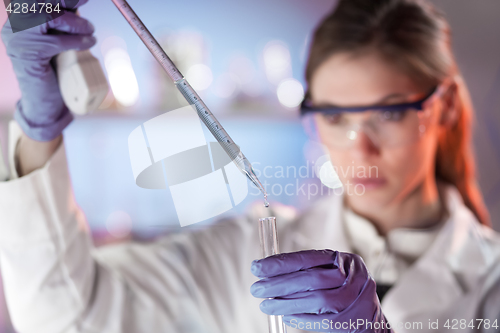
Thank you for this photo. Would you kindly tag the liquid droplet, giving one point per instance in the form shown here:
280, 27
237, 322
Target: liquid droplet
266, 203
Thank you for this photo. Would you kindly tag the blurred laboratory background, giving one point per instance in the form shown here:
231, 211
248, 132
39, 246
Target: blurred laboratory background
246, 59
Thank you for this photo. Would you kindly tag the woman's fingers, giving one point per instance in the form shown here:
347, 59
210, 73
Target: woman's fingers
325, 288
318, 302
48, 46
72, 24
312, 289
291, 262
363, 310
39, 46
307, 280
74, 42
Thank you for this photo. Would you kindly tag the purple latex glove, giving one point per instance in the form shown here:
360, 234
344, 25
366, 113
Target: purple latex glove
41, 112
323, 291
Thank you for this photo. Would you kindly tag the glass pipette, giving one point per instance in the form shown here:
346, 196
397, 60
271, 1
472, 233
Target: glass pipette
190, 95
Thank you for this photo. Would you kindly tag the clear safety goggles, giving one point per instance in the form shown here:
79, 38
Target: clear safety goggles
385, 125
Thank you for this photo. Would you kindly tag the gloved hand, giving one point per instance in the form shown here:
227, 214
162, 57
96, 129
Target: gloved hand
41, 112
324, 291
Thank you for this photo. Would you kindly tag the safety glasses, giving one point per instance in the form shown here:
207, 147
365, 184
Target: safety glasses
307, 106
385, 125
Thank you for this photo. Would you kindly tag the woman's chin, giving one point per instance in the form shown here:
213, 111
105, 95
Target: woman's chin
370, 195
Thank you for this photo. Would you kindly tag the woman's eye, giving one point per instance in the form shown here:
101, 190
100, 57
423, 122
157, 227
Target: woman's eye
333, 119
392, 115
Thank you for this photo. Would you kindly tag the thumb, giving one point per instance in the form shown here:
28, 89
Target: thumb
74, 42
72, 24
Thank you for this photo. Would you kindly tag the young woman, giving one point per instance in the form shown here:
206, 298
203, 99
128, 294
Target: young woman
384, 94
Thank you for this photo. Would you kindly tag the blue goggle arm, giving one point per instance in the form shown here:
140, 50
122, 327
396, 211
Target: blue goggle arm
306, 107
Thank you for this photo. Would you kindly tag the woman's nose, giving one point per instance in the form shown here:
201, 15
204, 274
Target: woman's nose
364, 143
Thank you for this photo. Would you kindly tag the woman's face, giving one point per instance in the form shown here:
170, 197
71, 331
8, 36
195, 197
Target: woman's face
374, 174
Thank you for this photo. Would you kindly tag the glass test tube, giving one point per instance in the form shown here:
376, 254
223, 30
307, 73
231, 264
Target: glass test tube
269, 246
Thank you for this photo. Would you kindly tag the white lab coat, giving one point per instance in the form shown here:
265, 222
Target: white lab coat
55, 281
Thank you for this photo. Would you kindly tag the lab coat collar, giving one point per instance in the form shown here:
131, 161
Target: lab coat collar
454, 263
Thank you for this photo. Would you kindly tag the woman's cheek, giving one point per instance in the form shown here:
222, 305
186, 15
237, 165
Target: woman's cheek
342, 163
401, 168
409, 165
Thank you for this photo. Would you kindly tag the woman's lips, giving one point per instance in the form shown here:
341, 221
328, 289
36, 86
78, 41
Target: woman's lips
369, 183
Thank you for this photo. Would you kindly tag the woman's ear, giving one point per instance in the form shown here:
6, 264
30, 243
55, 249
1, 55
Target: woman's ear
450, 111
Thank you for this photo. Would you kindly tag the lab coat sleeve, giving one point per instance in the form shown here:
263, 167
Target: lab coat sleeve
489, 308
56, 281
51, 280
197, 280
